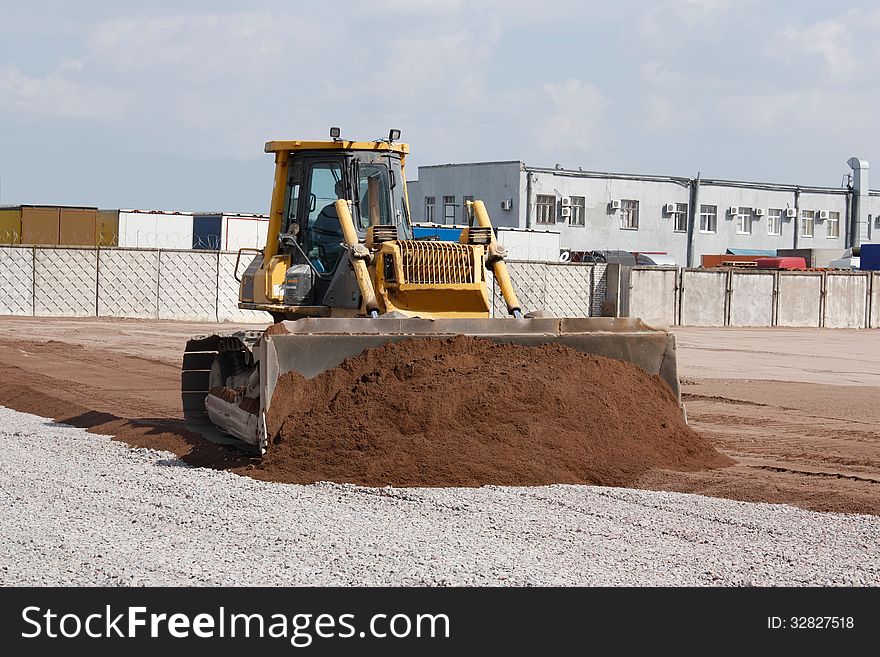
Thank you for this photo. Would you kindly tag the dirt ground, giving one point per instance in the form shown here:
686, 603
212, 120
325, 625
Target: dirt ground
795, 408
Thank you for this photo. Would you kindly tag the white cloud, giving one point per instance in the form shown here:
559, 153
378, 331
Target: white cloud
655, 72
828, 39
571, 119
845, 44
430, 7
668, 21
666, 116
202, 46
804, 113
448, 67
57, 95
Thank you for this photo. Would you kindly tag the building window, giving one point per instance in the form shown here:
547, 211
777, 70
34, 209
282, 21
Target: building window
429, 209
629, 214
743, 221
546, 209
833, 225
578, 204
464, 209
774, 221
681, 218
808, 222
448, 209
708, 218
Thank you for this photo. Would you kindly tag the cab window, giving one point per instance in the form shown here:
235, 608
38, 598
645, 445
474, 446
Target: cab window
323, 232
292, 201
373, 196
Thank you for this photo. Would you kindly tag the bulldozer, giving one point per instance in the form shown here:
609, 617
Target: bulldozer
341, 273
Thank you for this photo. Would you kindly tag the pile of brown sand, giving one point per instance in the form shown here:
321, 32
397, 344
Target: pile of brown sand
468, 412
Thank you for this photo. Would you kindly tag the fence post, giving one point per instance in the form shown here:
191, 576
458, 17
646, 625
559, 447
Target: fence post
97, 277
676, 295
728, 296
33, 281
774, 313
217, 289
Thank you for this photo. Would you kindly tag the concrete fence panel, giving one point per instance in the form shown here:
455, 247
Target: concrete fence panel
752, 298
703, 298
846, 300
567, 290
128, 282
227, 291
188, 285
16, 280
653, 294
799, 299
65, 282
528, 280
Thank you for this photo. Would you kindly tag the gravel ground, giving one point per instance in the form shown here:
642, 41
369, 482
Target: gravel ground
79, 509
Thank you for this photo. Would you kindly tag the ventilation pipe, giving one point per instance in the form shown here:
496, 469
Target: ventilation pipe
859, 230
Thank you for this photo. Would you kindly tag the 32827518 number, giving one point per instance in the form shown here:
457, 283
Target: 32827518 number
821, 622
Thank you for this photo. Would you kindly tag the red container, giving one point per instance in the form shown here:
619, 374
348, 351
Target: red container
784, 262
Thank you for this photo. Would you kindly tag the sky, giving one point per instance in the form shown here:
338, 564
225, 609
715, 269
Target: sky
167, 105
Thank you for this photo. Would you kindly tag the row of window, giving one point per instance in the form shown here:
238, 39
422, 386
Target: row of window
745, 219
629, 220
546, 213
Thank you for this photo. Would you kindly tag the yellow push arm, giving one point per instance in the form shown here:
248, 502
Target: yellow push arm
496, 261
359, 255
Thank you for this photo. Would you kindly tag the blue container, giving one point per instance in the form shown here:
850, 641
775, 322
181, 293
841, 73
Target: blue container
442, 233
869, 257
207, 231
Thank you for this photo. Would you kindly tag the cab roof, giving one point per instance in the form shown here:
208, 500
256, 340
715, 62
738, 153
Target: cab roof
335, 145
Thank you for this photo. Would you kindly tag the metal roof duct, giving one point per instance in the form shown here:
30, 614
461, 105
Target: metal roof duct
860, 200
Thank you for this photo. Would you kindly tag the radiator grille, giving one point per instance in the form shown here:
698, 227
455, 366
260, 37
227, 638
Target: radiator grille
436, 263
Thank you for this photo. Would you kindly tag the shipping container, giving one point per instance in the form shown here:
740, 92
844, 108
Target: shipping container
869, 257
207, 231
230, 232
77, 226
533, 245
818, 258
781, 262
40, 225
174, 230
10, 225
153, 229
244, 231
428, 231
727, 260
107, 228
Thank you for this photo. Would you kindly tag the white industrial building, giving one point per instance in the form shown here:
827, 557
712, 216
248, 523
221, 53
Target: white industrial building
683, 217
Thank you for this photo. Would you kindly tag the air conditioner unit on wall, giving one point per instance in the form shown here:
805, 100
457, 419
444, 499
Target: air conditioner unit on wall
506, 204
759, 212
614, 204
669, 208
732, 210
790, 213
566, 201
822, 215
565, 211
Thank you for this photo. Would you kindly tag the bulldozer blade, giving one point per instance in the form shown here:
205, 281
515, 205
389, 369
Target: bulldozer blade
313, 346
